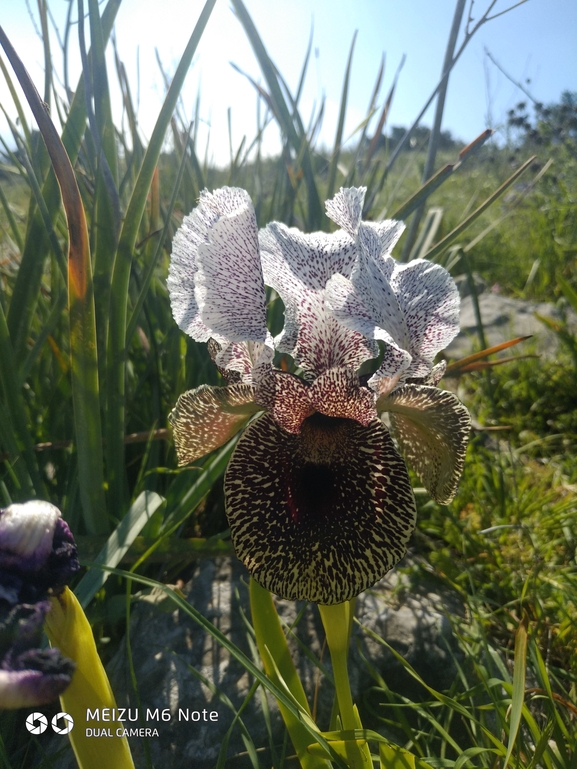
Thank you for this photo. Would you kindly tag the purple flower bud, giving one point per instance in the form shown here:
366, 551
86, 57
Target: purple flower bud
37, 552
29, 675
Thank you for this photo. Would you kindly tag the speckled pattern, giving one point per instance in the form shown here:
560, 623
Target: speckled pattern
298, 267
215, 278
346, 208
318, 498
431, 428
248, 359
337, 393
286, 397
205, 418
322, 515
413, 308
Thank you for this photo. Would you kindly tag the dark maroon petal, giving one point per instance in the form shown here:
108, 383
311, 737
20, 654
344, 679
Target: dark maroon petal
337, 393
205, 418
431, 428
322, 515
286, 397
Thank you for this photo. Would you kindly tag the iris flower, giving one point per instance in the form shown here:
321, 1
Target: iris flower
29, 675
317, 492
37, 559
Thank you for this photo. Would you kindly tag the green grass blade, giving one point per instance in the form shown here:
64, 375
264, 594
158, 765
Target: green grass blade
15, 434
568, 292
340, 125
454, 234
211, 471
42, 207
277, 691
116, 351
27, 286
384, 114
106, 222
519, 670
272, 644
118, 544
17, 103
441, 176
446, 700
315, 217
47, 329
16, 235
304, 68
84, 364
131, 328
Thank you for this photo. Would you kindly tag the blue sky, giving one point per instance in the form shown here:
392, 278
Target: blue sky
535, 42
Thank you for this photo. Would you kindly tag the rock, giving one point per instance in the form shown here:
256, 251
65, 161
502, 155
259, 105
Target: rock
505, 318
168, 647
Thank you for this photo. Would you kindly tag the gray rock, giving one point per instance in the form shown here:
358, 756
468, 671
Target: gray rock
503, 319
168, 646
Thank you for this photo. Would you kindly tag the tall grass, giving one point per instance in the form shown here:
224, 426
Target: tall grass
92, 363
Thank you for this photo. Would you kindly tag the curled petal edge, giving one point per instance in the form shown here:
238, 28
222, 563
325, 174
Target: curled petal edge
431, 428
207, 417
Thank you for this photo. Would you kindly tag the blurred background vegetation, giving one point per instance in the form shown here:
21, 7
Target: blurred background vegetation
97, 445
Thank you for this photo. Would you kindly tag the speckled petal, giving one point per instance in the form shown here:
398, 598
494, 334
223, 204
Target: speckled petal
388, 233
429, 300
348, 308
298, 267
431, 428
183, 263
371, 282
346, 208
247, 359
215, 278
286, 398
205, 418
229, 287
337, 393
393, 366
319, 516
434, 376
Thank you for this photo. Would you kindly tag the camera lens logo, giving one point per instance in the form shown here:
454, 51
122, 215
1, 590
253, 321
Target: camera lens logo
36, 723
67, 723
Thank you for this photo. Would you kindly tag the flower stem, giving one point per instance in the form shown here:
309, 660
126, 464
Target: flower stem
337, 621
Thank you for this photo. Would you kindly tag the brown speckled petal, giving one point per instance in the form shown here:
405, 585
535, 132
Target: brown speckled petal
286, 397
205, 418
431, 427
322, 515
337, 393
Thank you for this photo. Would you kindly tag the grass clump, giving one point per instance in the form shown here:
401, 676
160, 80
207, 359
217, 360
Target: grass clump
506, 545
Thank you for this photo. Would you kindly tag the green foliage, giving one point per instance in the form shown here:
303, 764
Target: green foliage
507, 542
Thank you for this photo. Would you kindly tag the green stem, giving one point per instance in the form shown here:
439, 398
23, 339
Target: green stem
337, 621
273, 648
